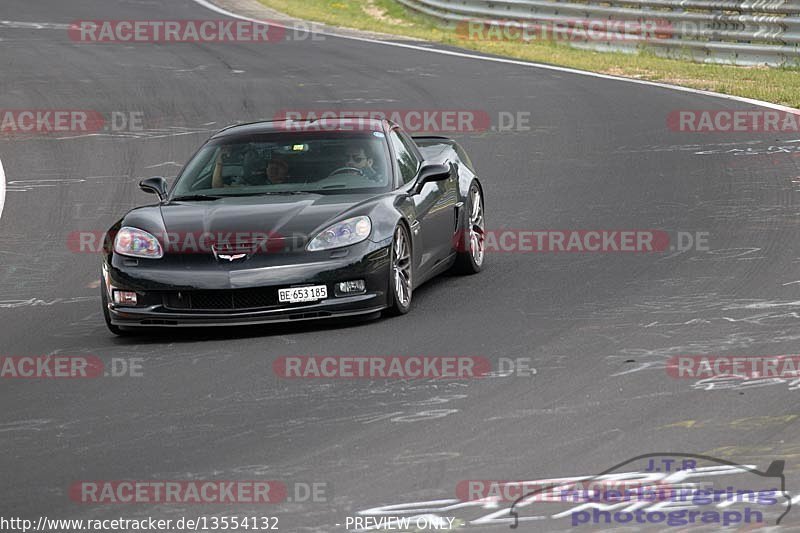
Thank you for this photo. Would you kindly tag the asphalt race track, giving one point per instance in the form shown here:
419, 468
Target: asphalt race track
598, 328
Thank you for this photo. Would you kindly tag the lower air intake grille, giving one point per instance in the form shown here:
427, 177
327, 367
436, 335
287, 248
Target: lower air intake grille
238, 299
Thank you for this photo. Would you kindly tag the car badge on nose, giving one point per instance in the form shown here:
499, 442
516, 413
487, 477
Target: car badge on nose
228, 253
232, 257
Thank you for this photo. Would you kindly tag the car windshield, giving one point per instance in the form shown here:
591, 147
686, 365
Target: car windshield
332, 162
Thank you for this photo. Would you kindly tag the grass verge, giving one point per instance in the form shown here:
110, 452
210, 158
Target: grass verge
778, 85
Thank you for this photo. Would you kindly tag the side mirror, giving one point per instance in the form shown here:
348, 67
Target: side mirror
431, 172
156, 185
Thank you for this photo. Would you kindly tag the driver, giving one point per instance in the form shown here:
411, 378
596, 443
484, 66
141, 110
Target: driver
357, 156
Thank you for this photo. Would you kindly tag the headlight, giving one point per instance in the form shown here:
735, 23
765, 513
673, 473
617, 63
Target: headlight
137, 243
344, 233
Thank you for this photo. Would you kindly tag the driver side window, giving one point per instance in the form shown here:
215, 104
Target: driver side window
406, 160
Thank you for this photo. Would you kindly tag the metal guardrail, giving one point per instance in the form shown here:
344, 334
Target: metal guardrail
755, 32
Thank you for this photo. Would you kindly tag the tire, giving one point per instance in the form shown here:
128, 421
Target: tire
400, 273
471, 247
116, 330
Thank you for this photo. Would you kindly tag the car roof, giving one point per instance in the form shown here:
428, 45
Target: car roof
308, 124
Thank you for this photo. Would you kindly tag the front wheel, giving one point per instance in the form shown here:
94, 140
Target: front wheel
400, 273
472, 242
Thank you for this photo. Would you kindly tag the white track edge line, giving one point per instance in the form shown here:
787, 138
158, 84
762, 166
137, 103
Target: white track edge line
2, 188
207, 4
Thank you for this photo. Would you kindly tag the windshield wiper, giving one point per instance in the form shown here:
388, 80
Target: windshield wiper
196, 197
268, 193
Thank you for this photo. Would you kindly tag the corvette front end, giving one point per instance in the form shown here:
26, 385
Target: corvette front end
198, 290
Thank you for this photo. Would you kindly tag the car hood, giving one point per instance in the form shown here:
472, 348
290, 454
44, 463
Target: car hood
286, 216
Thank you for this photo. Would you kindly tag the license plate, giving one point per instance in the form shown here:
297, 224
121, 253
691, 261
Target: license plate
303, 294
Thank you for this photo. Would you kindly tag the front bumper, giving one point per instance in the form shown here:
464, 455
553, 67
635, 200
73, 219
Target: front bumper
154, 317
169, 293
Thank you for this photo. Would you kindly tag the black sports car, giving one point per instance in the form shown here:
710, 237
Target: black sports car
295, 220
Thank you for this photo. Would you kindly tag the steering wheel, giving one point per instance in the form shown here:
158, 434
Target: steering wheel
342, 170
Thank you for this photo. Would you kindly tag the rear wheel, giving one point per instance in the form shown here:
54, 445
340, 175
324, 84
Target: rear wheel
400, 273
472, 246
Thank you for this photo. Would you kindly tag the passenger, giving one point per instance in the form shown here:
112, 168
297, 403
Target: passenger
277, 171
216, 180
